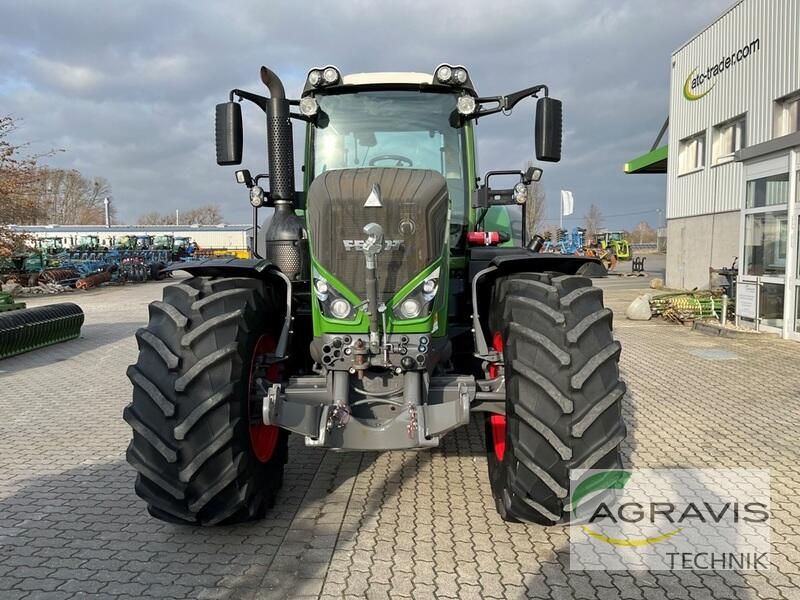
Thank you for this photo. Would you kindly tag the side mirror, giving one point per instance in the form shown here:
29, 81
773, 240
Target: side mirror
547, 132
228, 130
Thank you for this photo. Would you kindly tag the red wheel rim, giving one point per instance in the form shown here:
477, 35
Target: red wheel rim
497, 423
263, 438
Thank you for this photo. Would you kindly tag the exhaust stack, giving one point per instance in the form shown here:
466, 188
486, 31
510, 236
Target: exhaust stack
285, 241
280, 152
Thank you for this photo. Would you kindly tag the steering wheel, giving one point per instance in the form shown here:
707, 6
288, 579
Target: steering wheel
401, 160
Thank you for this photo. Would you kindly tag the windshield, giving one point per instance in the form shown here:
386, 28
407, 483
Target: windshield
405, 129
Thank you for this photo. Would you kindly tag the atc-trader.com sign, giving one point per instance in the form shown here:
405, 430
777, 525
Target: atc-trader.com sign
698, 79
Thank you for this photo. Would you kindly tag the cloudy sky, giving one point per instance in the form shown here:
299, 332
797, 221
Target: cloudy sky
128, 89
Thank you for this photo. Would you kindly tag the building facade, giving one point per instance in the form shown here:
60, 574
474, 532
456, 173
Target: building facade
734, 152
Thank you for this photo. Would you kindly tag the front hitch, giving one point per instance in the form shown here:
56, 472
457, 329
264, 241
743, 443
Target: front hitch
372, 247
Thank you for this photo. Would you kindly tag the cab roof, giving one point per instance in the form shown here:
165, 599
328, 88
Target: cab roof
388, 77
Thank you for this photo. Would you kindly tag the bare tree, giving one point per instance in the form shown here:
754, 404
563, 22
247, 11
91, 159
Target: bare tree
592, 221
645, 233
156, 218
17, 179
67, 197
534, 208
210, 214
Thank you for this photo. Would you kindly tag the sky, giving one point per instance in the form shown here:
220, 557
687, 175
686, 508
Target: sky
127, 89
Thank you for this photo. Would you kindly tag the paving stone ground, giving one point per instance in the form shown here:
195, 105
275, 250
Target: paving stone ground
375, 525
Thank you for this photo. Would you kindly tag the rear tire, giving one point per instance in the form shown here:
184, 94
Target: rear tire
563, 393
191, 441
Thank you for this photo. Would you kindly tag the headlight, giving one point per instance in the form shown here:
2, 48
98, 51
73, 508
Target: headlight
256, 196
410, 308
429, 286
520, 193
308, 106
444, 73
330, 75
419, 301
332, 303
451, 75
466, 105
321, 289
315, 77
340, 308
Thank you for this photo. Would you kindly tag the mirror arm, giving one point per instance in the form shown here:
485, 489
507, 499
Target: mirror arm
261, 101
507, 102
511, 100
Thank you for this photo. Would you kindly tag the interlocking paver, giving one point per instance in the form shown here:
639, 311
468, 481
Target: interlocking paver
376, 525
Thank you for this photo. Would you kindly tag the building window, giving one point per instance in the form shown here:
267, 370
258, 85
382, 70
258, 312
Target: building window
728, 138
765, 239
787, 115
692, 153
768, 191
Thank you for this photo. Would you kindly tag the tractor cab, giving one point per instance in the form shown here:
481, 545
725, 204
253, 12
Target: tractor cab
88, 243
125, 242
144, 242
163, 242
617, 242
51, 245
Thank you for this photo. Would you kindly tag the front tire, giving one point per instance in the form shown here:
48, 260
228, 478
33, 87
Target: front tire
563, 393
190, 417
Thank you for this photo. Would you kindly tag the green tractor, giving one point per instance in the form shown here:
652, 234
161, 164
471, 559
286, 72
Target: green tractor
615, 240
378, 312
125, 242
163, 242
51, 245
89, 243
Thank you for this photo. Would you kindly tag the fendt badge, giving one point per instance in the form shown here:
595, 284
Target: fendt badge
358, 245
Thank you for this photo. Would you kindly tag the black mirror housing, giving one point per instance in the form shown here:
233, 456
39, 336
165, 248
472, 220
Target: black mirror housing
547, 132
228, 131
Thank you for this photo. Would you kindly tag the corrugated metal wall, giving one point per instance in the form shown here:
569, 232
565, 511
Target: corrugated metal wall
748, 87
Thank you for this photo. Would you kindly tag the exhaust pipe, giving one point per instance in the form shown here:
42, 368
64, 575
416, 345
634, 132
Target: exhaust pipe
280, 152
285, 243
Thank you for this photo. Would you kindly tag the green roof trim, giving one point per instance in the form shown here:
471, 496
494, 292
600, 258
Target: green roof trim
652, 162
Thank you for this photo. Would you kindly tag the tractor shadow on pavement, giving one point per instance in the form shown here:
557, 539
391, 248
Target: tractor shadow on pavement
85, 531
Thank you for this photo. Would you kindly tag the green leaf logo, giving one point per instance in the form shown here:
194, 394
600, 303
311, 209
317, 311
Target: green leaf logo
608, 480
611, 480
687, 89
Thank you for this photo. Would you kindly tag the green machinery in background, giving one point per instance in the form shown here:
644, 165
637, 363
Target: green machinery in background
617, 242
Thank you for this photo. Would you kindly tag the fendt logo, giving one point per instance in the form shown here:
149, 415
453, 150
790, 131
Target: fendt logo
358, 245
697, 80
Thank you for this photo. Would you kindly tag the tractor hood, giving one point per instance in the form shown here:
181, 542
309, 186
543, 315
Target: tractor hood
409, 205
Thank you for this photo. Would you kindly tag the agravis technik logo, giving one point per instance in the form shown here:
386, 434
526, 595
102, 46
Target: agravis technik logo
670, 519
